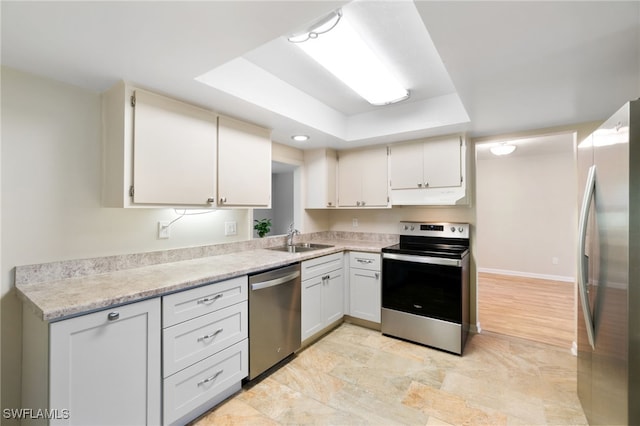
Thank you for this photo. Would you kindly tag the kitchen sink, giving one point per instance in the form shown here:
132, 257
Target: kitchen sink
300, 247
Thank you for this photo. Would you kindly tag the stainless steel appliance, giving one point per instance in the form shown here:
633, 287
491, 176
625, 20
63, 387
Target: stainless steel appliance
425, 285
274, 317
609, 271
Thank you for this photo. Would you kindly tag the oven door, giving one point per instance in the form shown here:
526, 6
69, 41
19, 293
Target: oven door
425, 286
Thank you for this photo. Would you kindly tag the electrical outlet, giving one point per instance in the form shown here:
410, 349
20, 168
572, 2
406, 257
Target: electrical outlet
163, 230
354, 222
230, 228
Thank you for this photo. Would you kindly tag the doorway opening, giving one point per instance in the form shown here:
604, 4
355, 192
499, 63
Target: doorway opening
526, 227
285, 186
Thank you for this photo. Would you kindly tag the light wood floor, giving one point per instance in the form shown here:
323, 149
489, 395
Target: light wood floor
535, 309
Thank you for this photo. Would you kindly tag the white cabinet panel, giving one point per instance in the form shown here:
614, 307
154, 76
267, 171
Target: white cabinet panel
201, 384
174, 159
105, 366
442, 163
186, 343
320, 169
364, 286
184, 305
244, 164
322, 293
426, 164
406, 166
162, 152
363, 178
311, 307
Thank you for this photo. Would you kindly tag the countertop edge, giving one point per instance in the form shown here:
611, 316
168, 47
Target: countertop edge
34, 296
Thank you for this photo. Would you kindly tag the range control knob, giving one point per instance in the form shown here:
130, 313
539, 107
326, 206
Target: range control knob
406, 227
453, 229
412, 227
460, 229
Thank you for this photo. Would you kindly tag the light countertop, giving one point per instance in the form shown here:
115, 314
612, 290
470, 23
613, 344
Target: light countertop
59, 299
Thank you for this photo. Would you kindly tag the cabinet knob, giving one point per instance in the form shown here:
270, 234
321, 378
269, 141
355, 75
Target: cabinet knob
377, 275
419, 185
210, 200
358, 203
426, 184
113, 316
223, 200
363, 203
329, 203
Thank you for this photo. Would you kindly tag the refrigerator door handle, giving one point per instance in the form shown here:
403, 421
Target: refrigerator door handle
582, 258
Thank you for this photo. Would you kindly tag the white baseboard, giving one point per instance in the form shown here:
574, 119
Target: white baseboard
561, 278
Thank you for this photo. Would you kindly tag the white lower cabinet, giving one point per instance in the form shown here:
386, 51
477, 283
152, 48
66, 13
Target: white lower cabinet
205, 348
364, 286
98, 368
322, 293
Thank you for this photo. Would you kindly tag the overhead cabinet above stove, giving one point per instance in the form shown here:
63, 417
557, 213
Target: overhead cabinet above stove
429, 172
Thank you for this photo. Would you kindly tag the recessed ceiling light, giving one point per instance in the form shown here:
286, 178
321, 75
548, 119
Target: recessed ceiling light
300, 138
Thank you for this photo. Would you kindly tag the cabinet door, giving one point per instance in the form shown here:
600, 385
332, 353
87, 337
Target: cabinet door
364, 294
320, 166
174, 152
105, 366
350, 179
244, 164
406, 166
375, 177
333, 300
442, 163
311, 306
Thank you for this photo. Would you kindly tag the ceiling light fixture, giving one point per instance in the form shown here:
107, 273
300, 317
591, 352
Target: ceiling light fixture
502, 149
300, 138
337, 46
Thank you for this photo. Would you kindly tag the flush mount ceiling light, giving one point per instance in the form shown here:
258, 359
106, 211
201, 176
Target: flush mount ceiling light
502, 149
300, 138
337, 46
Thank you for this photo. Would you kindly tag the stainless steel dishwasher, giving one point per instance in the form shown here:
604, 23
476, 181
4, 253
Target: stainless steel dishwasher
274, 317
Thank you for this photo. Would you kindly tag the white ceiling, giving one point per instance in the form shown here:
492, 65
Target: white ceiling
482, 67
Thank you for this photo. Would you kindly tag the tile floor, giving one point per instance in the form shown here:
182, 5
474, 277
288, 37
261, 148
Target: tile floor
355, 376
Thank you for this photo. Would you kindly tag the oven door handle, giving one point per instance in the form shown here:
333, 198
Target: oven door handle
423, 259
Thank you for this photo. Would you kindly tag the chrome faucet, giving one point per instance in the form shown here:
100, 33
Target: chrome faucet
292, 232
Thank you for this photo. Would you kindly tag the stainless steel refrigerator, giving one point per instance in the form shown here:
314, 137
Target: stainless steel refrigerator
609, 271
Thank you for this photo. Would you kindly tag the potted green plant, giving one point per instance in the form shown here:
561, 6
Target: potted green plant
262, 226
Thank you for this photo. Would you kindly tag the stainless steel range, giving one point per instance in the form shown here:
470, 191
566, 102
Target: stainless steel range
425, 285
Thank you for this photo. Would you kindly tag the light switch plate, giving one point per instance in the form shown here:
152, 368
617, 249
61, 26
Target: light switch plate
163, 230
230, 228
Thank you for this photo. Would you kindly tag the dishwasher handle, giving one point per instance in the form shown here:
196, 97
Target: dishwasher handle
277, 281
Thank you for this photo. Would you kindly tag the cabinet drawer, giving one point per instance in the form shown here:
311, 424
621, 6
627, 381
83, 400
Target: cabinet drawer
321, 265
361, 260
186, 343
189, 304
192, 387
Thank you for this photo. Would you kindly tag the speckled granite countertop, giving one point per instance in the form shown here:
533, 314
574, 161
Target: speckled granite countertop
58, 299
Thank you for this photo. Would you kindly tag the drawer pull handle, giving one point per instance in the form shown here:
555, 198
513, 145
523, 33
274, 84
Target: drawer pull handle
113, 316
210, 299
209, 336
365, 260
210, 379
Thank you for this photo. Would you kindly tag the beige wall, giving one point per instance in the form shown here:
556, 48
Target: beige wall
51, 168
526, 214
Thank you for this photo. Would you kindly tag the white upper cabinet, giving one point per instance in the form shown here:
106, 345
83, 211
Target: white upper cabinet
363, 178
174, 152
157, 151
429, 172
426, 164
244, 164
320, 166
